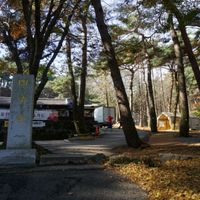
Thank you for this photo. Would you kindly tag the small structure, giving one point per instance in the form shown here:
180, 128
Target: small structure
165, 121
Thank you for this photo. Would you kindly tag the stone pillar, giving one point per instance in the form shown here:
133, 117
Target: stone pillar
19, 139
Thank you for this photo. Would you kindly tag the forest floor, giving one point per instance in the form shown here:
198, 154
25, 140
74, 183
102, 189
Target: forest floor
176, 177
167, 142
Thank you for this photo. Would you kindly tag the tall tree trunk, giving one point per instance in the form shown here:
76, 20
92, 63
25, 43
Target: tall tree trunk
184, 121
73, 87
171, 91
171, 7
106, 89
157, 101
152, 110
81, 119
107, 97
143, 105
78, 106
128, 124
147, 97
176, 100
140, 102
163, 92
131, 91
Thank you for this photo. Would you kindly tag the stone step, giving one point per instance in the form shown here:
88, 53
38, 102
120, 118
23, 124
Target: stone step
72, 159
25, 157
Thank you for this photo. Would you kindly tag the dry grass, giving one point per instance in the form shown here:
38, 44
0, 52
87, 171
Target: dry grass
175, 180
154, 150
172, 180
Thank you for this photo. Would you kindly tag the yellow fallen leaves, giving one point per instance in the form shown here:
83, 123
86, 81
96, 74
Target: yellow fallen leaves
174, 180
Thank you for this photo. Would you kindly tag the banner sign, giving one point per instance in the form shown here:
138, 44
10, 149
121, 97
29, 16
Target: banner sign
39, 115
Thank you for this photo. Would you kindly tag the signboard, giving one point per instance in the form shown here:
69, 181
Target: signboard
38, 124
42, 115
4, 113
34, 124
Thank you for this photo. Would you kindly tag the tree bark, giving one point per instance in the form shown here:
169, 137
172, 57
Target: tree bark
171, 7
157, 100
176, 100
163, 92
152, 110
143, 104
105, 84
73, 87
128, 124
131, 90
183, 101
78, 104
147, 96
81, 103
171, 91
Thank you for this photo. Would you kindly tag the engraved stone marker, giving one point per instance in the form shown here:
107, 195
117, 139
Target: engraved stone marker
19, 139
21, 113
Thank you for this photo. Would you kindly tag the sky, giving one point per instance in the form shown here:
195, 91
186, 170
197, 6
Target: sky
110, 3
